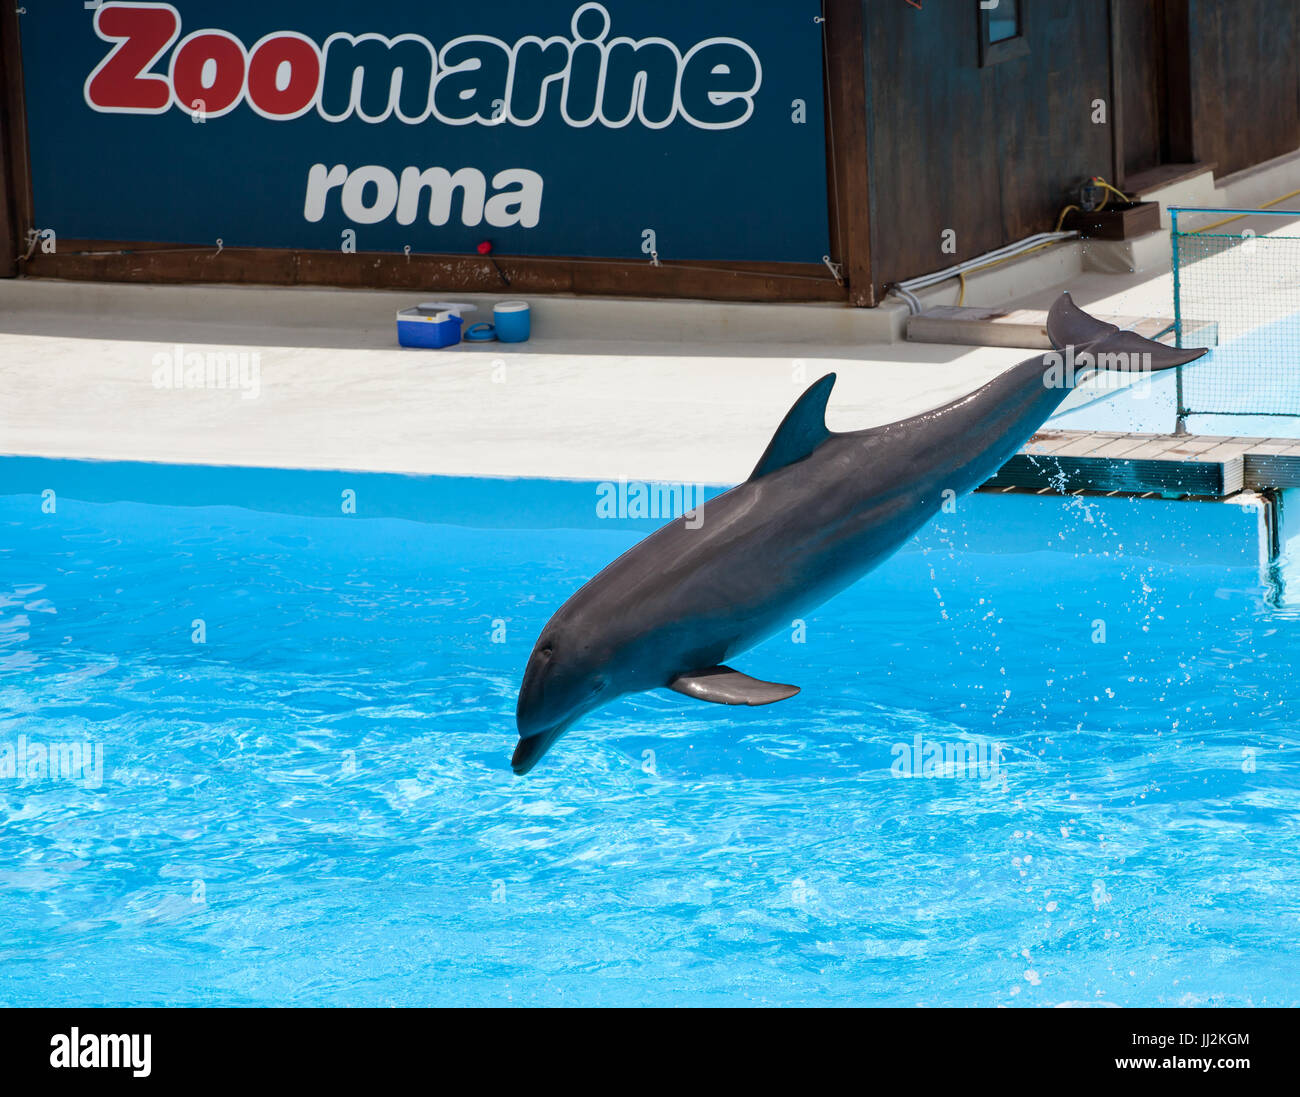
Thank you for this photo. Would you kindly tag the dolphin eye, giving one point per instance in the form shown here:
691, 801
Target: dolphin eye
545, 651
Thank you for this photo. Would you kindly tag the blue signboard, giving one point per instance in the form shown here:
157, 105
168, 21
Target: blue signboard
545, 127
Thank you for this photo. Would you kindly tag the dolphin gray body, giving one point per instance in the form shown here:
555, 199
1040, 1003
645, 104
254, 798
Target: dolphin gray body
819, 511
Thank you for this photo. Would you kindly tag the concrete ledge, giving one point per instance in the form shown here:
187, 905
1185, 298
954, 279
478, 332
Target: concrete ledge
1261, 183
1150, 252
365, 318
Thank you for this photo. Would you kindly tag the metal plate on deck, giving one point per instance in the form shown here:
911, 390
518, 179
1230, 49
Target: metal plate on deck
994, 327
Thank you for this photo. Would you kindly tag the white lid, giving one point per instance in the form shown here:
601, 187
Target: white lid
424, 313
447, 306
510, 306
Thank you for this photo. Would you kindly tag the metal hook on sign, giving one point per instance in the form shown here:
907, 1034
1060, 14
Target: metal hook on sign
33, 238
654, 259
835, 268
220, 245
406, 250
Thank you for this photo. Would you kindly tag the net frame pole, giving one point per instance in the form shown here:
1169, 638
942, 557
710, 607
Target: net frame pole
1180, 422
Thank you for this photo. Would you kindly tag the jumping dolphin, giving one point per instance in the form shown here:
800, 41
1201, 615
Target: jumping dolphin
820, 510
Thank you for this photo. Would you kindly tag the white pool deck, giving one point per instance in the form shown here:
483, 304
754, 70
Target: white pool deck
678, 391
651, 390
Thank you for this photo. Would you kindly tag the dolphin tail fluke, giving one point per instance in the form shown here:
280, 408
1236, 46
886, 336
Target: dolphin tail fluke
1069, 326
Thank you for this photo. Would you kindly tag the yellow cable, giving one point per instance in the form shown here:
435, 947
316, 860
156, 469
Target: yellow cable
961, 275
1239, 216
1061, 220
1099, 181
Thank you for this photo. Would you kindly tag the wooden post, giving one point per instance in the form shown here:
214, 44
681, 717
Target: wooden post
1118, 173
1179, 132
846, 123
15, 189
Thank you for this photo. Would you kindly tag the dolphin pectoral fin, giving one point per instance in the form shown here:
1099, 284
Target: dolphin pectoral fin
724, 686
801, 431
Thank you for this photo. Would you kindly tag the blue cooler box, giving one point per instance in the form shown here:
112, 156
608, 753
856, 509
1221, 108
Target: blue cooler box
431, 324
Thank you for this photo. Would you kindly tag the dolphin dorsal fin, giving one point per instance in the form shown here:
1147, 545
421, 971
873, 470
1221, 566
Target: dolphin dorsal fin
801, 431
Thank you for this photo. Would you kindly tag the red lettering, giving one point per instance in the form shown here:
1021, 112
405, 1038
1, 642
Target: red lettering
208, 72
266, 64
122, 81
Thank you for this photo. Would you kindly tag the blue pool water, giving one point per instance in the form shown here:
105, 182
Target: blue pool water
315, 806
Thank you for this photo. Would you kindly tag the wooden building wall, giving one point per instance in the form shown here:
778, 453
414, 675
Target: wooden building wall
995, 152
991, 153
1245, 80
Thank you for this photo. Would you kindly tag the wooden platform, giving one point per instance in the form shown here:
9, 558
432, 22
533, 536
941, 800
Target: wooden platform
1166, 465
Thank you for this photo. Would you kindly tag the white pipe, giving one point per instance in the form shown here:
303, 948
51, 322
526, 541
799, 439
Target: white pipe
1006, 252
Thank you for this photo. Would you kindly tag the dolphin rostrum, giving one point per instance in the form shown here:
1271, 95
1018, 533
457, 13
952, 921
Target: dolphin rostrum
820, 510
